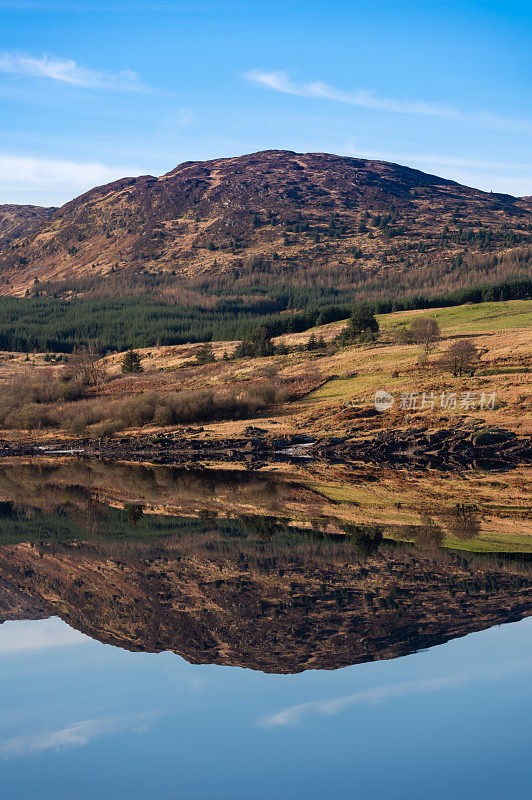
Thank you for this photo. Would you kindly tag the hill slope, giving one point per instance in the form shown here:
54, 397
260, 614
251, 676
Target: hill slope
254, 221
19, 221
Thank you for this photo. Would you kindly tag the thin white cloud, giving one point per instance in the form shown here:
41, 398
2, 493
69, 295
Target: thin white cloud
434, 158
294, 714
76, 735
279, 81
173, 124
19, 637
65, 70
54, 177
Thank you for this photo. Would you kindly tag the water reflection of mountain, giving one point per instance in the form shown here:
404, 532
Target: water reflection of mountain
248, 591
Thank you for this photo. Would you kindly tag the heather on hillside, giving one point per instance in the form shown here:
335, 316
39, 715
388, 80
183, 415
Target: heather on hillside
266, 223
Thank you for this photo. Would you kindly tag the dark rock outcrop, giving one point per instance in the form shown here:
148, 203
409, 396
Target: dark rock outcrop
487, 448
468, 447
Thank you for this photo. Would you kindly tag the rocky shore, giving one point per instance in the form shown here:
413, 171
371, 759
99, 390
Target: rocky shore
482, 447
478, 447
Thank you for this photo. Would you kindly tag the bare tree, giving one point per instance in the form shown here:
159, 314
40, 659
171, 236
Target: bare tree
461, 356
425, 331
85, 366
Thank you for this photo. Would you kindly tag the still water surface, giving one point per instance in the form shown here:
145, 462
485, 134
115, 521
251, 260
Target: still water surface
200, 656
84, 720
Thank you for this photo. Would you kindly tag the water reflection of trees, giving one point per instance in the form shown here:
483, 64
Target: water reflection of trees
464, 521
50, 486
88, 493
428, 535
133, 512
366, 538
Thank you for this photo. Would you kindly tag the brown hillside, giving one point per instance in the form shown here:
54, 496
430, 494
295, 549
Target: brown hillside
266, 218
17, 221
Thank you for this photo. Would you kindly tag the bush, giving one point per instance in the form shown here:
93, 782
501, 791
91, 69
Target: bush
138, 410
70, 390
101, 417
103, 429
26, 401
32, 416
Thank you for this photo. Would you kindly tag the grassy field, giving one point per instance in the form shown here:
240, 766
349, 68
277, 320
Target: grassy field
501, 331
342, 377
469, 318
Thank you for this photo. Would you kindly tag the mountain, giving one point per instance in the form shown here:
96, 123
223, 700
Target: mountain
159, 558
256, 221
281, 611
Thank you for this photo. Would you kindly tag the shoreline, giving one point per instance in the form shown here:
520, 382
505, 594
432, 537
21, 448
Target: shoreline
474, 447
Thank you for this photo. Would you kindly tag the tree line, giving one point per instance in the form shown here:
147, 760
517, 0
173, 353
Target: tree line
58, 325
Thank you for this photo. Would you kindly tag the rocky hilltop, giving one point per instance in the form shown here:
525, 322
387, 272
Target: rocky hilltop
262, 216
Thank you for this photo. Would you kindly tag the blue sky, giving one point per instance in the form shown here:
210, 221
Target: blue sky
87, 720
91, 91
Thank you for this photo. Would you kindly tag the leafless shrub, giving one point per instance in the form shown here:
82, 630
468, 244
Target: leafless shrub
31, 416
107, 428
26, 402
78, 417
461, 356
92, 416
84, 366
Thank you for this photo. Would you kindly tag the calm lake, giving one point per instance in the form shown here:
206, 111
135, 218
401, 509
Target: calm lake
192, 634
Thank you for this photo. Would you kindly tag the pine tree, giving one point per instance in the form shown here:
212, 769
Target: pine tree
205, 354
131, 362
363, 320
258, 344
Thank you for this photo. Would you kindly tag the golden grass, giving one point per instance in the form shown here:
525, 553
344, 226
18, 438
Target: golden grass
354, 373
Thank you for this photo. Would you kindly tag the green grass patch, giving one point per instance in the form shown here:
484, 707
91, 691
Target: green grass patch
351, 494
346, 389
469, 318
484, 543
